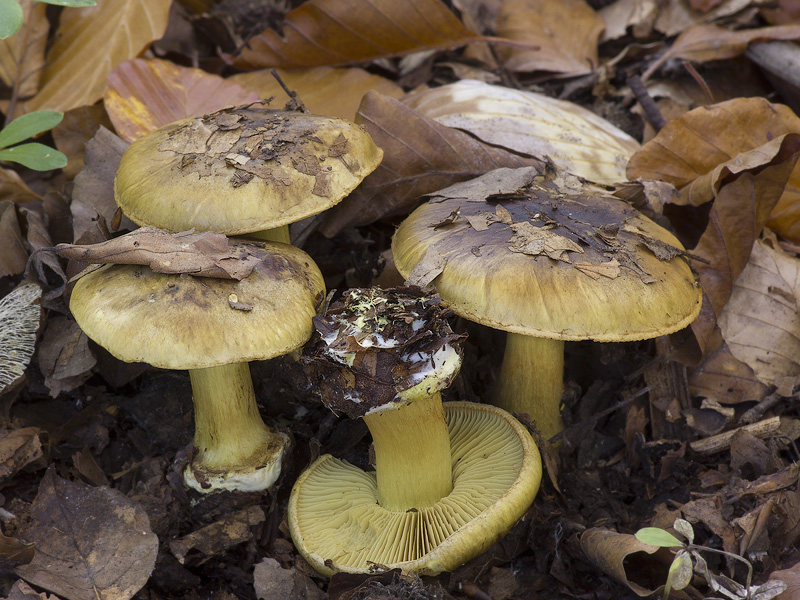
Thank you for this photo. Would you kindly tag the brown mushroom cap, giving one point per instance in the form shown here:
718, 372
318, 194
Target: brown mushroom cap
241, 170
556, 259
185, 322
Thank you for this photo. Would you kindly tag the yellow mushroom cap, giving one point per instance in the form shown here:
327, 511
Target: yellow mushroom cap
185, 322
557, 258
338, 526
241, 170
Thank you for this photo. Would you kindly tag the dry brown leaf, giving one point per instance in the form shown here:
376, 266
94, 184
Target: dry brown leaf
608, 269
65, 359
13, 254
574, 138
428, 269
13, 188
273, 581
737, 217
203, 254
709, 42
343, 32
219, 536
22, 54
761, 320
145, 94
17, 449
609, 551
71, 135
89, 43
22, 591
566, 33
323, 90
90, 542
723, 378
791, 577
533, 240
420, 156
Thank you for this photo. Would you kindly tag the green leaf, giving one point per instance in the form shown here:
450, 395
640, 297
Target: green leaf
29, 125
72, 3
35, 156
657, 537
11, 17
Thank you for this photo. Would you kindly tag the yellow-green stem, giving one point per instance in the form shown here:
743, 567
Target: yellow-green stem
412, 452
532, 380
229, 432
279, 234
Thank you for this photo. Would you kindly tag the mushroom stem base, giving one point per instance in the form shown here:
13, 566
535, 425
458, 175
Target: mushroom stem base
235, 450
531, 381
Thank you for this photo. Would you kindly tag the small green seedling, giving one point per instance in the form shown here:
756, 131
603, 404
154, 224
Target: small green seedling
688, 560
32, 155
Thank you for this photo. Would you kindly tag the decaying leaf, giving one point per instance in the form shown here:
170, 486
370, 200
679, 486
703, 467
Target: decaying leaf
574, 138
64, 355
565, 35
145, 94
761, 320
273, 581
529, 239
609, 551
323, 90
218, 537
13, 253
420, 156
17, 449
90, 542
20, 314
428, 269
204, 254
608, 269
22, 591
89, 43
327, 32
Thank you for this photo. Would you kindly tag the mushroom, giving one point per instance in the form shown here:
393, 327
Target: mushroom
212, 328
449, 479
243, 170
548, 259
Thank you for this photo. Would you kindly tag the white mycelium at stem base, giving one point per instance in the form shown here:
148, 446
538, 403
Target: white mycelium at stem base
235, 449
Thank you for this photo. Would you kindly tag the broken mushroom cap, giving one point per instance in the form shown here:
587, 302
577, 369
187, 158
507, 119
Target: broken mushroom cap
242, 170
212, 327
449, 479
547, 258
20, 315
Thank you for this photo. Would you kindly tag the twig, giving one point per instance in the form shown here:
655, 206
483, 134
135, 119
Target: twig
700, 81
650, 108
294, 100
721, 441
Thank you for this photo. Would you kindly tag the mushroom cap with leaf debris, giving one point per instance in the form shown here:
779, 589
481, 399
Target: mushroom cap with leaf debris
241, 170
550, 256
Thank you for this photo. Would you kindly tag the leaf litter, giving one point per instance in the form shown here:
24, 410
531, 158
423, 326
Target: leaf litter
710, 439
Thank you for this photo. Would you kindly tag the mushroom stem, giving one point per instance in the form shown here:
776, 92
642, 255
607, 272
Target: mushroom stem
229, 433
531, 381
278, 234
412, 451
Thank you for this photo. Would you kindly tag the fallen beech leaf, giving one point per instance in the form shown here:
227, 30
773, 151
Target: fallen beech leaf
17, 449
64, 356
574, 138
273, 581
13, 188
93, 193
74, 132
219, 536
90, 542
723, 378
565, 31
145, 94
323, 90
13, 254
761, 320
22, 54
737, 216
334, 33
203, 254
612, 552
420, 156
14, 551
702, 43
791, 577
20, 314
89, 42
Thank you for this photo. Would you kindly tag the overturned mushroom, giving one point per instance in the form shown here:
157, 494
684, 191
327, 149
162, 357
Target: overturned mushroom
547, 258
243, 170
449, 479
212, 327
